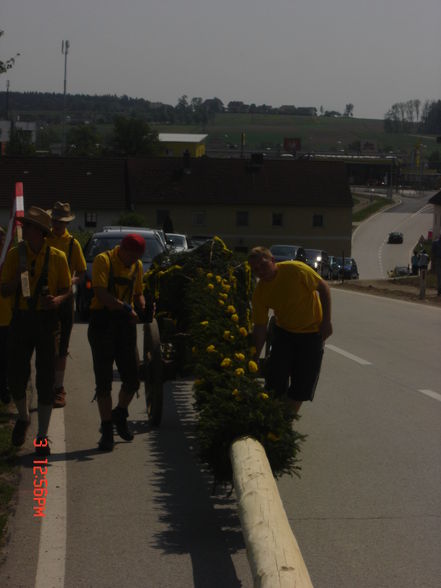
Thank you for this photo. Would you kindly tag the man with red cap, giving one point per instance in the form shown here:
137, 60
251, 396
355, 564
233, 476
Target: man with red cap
118, 298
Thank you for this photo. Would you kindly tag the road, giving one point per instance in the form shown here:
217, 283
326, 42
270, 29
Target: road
366, 510
375, 257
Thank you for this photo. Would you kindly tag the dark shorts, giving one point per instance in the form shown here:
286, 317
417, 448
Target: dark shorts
65, 315
32, 331
112, 338
294, 364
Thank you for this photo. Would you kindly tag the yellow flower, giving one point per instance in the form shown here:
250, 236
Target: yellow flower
218, 279
253, 350
232, 337
210, 287
209, 275
239, 371
211, 349
221, 302
239, 356
234, 318
227, 335
264, 396
204, 323
231, 309
243, 331
223, 295
235, 392
194, 349
226, 362
226, 287
272, 437
252, 366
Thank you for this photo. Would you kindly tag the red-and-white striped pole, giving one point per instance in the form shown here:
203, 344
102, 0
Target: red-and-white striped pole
17, 212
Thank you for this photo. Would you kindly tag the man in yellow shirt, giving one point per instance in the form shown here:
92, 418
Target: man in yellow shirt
37, 278
5, 319
301, 302
114, 311
60, 238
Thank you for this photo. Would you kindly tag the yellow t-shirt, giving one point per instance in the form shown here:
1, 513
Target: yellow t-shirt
58, 271
293, 296
77, 262
101, 272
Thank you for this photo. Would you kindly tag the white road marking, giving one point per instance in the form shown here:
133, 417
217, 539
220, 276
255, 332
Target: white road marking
348, 355
52, 548
432, 394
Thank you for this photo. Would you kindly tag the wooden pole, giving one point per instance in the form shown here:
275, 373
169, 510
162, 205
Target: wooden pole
273, 553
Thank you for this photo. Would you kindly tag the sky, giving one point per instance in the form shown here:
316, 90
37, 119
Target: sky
327, 53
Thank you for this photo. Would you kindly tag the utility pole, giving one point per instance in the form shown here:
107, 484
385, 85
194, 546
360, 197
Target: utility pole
64, 50
7, 100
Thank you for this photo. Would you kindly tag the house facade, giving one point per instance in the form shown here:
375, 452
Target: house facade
176, 144
246, 202
436, 227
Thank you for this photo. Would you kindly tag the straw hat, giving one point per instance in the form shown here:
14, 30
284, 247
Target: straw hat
38, 217
61, 212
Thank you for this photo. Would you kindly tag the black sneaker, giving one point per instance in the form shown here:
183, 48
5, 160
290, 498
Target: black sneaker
119, 419
106, 441
41, 445
19, 432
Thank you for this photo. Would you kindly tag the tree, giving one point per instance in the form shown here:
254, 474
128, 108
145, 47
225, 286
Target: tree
83, 140
20, 143
349, 110
133, 136
5, 65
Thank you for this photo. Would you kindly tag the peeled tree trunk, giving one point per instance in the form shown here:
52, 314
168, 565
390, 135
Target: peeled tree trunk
273, 553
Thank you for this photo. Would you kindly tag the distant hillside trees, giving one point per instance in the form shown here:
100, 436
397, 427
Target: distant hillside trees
133, 136
404, 117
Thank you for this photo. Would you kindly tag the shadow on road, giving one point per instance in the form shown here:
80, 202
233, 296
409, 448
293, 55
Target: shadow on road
204, 526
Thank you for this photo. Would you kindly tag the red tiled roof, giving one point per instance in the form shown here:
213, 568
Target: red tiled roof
84, 182
210, 181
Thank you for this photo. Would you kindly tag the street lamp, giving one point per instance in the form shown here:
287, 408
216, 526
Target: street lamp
64, 50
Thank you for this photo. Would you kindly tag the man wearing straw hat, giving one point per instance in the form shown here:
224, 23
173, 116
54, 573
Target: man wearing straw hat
37, 278
60, 238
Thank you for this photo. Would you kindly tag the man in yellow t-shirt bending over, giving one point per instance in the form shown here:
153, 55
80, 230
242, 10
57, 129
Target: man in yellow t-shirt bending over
301, 302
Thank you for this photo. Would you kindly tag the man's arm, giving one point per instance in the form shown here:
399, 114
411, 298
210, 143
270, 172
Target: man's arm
259, 336
325, 299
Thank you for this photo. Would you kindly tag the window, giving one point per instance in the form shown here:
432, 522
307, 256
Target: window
317, 220
199, 218
90, 219
277, 219
242, 218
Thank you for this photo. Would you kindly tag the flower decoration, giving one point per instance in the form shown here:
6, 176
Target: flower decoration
211, 349
226, 362
239, 371
253, 367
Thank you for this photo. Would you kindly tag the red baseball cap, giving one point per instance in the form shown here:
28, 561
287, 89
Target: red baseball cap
133, 242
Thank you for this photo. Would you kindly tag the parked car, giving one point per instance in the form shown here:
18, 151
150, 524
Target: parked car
197, 240
287, 252
344, 268
318, 259
399, 270
108, 239
395, 237
178, 242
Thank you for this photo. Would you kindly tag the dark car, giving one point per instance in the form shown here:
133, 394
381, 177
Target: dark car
196, 240
106, 240
344, 268
287, 252
319, 261
395, 237
178, 242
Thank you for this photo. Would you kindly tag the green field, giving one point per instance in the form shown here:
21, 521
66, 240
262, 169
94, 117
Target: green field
316, 133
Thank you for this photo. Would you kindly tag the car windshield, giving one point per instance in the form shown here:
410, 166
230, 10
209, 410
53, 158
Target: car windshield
283, 250
99, 244
177, 240
310, 253
339, 260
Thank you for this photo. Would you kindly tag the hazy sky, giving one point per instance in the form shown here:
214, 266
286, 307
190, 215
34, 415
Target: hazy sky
310, 53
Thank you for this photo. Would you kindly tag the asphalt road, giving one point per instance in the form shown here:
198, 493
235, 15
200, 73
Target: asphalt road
375, 257
366, 510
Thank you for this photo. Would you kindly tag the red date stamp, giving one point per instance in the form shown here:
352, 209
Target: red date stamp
39, 471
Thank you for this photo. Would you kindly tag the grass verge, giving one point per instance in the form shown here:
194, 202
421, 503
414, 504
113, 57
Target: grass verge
377, 204
9, 471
